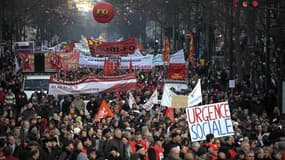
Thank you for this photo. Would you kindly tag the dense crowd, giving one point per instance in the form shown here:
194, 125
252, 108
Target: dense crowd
46, 127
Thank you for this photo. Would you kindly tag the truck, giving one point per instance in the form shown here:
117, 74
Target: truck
33, 83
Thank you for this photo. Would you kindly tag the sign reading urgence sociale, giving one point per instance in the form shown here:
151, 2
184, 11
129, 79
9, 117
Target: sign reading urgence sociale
211, 118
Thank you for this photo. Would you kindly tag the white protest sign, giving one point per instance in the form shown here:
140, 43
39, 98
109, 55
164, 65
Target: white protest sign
232, 84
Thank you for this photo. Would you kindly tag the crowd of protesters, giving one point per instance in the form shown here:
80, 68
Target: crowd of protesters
44, 127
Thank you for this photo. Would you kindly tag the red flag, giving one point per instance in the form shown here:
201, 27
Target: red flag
169, 112
131, 66
103, 112
191, 48
108, 69
165, 50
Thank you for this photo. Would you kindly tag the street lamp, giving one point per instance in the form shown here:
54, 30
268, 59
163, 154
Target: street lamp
156, 44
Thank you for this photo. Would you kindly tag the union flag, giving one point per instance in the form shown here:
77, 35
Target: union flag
103, 112
166, 50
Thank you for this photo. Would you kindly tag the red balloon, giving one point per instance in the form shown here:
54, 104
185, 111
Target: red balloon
103, 12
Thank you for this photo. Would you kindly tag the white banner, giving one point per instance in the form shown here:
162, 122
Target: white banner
153, 99
91, 62
168, 92
93, 84
178, 57
211, 118
142, 62
137, 53
195, 97
157, 60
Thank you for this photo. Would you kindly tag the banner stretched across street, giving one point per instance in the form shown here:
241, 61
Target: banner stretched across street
141, 62
123, 47
93, 84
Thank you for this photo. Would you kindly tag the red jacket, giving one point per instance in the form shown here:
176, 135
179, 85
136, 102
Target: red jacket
143, 143
2, 97
158, 152
133, 145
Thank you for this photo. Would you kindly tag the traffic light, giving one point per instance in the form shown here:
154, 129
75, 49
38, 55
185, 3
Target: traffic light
250, 3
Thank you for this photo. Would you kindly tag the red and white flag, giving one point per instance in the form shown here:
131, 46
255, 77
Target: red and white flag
103, 112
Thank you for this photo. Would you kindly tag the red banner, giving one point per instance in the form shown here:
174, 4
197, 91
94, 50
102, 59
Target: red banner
55, 61
67, 47
124, 47
27, 63
176, 71
165, 50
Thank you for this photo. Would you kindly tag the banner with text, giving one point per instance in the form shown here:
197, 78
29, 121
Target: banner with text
26, 61
141, 62
176, 71
93, 84
55, 61
123, 47
211, 118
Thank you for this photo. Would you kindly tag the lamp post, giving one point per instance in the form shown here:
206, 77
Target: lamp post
267, 47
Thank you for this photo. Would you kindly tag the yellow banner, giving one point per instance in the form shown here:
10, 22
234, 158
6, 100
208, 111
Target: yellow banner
179, 101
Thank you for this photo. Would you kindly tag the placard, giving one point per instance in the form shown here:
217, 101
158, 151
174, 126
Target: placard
211, 118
